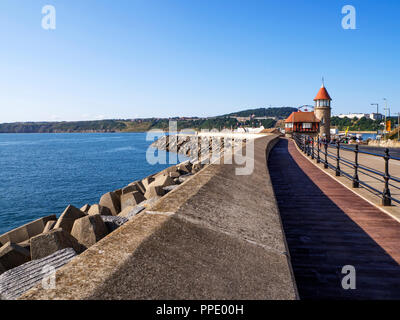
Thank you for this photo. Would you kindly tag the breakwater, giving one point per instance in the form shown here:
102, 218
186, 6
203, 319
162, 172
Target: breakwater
228, 220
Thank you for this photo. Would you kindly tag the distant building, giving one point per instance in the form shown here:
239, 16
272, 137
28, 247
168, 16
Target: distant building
322, 111
376, 116
317, 122
266, 118
302, 122
241, 119
354, 115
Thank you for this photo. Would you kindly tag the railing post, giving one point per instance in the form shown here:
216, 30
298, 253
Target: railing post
356, 183
338, 159
326, 166
318, 149
386, 200
312, 148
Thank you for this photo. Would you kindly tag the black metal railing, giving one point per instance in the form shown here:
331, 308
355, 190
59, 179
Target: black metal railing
330, 155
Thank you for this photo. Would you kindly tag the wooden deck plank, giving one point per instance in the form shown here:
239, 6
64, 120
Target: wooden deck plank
328, 227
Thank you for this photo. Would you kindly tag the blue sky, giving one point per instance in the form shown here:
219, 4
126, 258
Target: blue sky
143, 58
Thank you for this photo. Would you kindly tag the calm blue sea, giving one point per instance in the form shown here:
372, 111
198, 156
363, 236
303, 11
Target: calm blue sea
366, 136
40, 174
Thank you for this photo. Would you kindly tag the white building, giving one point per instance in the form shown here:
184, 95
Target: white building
373, 116
354, 115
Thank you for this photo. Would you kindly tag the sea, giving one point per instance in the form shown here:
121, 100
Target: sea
41, 174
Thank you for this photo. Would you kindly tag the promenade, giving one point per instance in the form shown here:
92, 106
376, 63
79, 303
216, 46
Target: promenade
376, 164
328, 227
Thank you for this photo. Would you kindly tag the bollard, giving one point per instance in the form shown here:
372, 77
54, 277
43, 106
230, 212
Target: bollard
356, 183
338, 159
312, 148
386, 200
326, 166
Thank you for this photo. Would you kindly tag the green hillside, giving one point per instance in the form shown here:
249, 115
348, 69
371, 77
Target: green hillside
143, 125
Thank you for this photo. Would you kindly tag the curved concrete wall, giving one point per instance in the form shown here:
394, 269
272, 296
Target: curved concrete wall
216, 236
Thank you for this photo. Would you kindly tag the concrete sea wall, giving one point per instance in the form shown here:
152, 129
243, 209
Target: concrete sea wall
213, 235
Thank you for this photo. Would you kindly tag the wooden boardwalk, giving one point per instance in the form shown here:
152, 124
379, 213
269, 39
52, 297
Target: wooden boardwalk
328, 227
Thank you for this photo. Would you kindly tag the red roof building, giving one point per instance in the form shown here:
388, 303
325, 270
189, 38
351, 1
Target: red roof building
302, 122
323, 94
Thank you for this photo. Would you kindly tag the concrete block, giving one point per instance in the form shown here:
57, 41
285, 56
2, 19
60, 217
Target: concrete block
170, 188
183, 178
118, 192
131, 199
12, 255
174, 174
139, 186
149, 202
184, 167
162, 181
113, 222
48, 243
49, 225
15, 282
112, 201
197, 166
132, 211
26, 231
98, 209
146, 181
68, 217
88, 230
26, 245
154, 191
85, 208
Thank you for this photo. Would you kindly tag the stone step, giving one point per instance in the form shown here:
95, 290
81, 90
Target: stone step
14, 282
114, 222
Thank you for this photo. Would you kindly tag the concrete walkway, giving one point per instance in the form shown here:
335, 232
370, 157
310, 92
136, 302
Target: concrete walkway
328, 227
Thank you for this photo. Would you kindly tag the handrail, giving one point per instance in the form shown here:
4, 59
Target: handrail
322, 151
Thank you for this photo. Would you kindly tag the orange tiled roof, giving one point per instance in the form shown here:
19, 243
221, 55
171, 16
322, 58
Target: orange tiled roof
300, 116
322, 94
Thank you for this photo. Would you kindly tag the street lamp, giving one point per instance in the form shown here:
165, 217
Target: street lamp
377, 115
377, 107
386, 108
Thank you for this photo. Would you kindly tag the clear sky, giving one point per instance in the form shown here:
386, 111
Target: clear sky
144, 58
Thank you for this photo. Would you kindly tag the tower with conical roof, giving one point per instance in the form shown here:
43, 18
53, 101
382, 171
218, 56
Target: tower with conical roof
322, 111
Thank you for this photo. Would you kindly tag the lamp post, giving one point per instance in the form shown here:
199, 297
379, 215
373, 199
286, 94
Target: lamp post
385, 113
398, 126
377, 112
377, 107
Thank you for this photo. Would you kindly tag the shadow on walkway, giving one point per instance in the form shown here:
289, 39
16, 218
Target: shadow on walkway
322, 238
